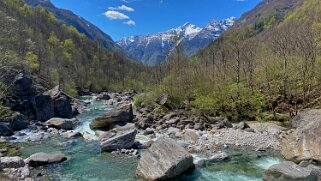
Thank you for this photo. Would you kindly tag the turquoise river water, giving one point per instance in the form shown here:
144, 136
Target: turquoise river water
86, 162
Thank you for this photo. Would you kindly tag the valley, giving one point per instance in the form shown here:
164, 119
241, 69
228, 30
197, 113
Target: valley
237, 99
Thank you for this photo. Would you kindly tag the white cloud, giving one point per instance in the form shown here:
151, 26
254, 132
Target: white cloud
130, 22
115, 15
123, 7
126, 8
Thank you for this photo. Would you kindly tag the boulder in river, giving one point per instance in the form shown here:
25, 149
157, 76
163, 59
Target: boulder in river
121, 114
40, 159
61, 102
289, 171
53, 103
164, 160
60, 123
304, 142
123, 141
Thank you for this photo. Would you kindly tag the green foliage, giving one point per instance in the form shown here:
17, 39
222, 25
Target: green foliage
59, 54
145, 100
6, 112
235, 103
31, 61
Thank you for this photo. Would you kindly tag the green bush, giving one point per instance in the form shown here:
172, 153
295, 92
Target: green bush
235, 103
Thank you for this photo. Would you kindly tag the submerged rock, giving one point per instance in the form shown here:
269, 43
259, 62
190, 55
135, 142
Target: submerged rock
60, 123
124, 140
164, 160
122, 114
40, 159
219, 157
289, 171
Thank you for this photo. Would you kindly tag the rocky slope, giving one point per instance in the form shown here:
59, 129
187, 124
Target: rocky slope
82, 25
152, 49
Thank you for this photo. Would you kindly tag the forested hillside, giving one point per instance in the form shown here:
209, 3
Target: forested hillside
33, 41
268, 63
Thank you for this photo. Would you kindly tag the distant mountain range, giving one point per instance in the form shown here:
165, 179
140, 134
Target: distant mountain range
82, 25
152, 49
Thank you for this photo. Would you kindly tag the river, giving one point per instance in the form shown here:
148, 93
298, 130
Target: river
86, 162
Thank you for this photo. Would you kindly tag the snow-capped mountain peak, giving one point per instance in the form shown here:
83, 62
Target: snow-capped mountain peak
152, 49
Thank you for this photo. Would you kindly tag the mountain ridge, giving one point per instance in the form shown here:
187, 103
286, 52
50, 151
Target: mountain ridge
81, 24
152, 49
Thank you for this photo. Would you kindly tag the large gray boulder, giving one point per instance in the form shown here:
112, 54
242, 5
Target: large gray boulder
60, 123
164, 160
305, 117
304, 142
122, 141
11, 162
40, 159
53, 103
121, 114
61, 102
44, 107
289, 171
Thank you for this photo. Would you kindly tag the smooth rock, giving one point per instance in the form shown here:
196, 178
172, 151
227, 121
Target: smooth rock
122, 114
72, 134
40, 159
124, 140
60, 123
164, 160
104, 134
289, 171
219, 157
305, 117
303, 143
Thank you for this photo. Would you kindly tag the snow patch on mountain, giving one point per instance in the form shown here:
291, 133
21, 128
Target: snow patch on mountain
152, 49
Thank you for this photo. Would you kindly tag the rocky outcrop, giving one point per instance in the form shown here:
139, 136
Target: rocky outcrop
122, 141
122, 114
40, 159
305, 117
60, 123
304, 142
53, 103
164, 160
289, 171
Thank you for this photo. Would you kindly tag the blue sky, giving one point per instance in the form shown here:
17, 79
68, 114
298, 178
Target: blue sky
122, 18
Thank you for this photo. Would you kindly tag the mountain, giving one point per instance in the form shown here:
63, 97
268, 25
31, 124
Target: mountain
152, 49
34, 42
82, 25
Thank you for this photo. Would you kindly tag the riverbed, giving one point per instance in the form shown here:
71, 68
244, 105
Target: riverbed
86, 162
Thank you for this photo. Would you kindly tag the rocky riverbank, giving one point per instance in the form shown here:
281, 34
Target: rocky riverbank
126, 129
